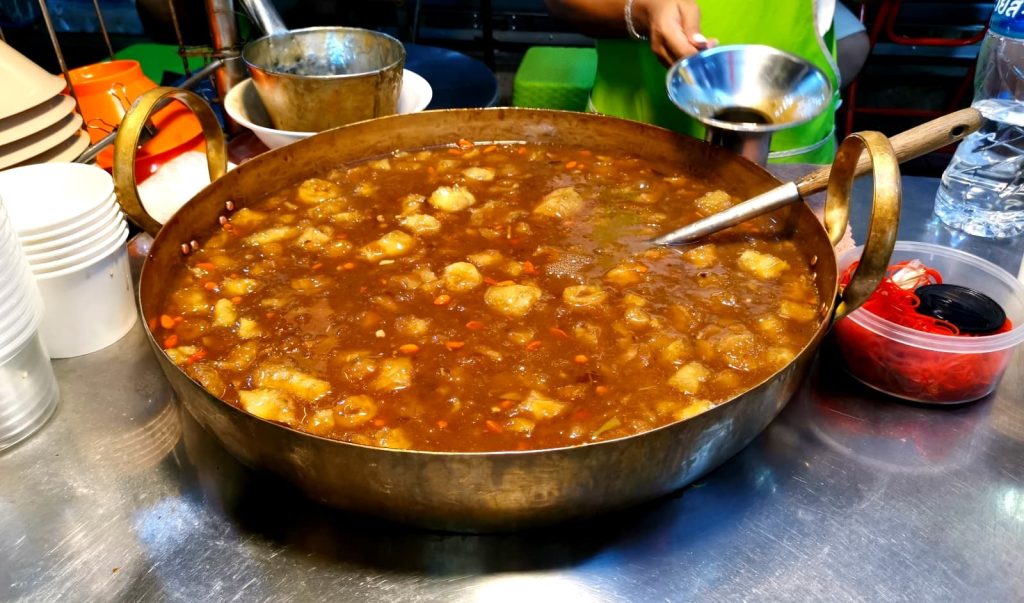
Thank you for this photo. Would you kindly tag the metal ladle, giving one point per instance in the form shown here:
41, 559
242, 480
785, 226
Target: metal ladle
908, 145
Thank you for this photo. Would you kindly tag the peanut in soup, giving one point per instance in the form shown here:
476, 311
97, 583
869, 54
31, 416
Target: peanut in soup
483, 298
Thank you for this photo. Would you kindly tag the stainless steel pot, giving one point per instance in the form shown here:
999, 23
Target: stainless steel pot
319, 78
498, 490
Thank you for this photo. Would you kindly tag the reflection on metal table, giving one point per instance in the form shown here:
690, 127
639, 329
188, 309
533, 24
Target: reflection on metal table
846, 496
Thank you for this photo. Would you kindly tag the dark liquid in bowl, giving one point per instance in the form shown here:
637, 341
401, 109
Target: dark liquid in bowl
742, 115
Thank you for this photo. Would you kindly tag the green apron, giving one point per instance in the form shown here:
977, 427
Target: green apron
630, 81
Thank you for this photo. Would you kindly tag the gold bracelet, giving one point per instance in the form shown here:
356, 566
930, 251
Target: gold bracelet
633, 33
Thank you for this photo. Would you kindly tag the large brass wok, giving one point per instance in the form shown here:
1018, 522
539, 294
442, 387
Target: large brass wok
499, 490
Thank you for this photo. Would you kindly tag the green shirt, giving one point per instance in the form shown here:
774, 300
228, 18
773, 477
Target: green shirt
630, 81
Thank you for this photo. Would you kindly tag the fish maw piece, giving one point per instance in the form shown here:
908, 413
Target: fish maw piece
560, 203
512, 300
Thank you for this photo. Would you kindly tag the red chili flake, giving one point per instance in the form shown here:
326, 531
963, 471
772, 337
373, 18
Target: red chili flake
490, 281
442, 424
558, 333
533, 345
529, 268
492, 426
170, 341
442, 300
465, 144
454, 345
474, 325
196, 357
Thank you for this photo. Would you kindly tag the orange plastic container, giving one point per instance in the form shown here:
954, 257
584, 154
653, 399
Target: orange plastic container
107, 90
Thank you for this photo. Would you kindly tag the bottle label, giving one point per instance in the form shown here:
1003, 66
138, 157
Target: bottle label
1008, 18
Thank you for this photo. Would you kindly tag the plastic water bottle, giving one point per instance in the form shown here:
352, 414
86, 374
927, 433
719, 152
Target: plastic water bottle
982, 190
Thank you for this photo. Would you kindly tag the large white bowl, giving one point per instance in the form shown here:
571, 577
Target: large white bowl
35, 119
44, 140
25, 84
67, 151
244, 106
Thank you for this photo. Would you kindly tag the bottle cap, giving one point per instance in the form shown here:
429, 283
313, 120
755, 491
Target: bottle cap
1008, 18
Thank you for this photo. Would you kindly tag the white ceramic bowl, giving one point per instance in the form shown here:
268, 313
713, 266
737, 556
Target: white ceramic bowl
35, 119
40, 142
33, 84
88, 307
43, 200
244, 106
69, 150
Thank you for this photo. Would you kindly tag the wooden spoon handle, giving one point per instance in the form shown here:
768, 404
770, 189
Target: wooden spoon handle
908, 145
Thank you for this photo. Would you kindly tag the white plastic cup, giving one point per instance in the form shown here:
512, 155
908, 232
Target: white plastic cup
47, 196
59, 236
28, 392
88, 307
118, 232
100, 221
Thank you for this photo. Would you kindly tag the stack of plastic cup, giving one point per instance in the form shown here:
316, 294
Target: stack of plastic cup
28, 389
73, 235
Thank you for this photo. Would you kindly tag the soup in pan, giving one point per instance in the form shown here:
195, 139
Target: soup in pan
482, 298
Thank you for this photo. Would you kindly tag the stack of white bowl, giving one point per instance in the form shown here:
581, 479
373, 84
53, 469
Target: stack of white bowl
28, 389
73, 235
38, 123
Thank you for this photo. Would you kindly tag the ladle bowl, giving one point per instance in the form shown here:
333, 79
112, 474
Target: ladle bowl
742, 93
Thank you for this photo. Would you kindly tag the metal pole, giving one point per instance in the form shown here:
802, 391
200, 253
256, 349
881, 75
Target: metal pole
177, 34
57, 50
103, 28
224, 33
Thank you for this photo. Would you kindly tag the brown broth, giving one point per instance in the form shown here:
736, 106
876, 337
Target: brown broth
288, 314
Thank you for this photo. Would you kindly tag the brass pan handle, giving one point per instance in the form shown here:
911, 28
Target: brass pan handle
885, 211
127, 141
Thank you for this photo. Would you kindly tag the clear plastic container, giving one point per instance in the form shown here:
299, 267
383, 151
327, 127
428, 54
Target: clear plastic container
925, 367
28, 392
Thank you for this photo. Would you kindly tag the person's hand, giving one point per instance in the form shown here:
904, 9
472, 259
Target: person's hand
673, 27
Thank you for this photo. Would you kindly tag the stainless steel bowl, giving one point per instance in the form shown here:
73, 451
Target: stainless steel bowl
319, 78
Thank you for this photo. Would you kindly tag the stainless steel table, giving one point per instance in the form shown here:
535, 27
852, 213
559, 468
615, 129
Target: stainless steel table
847, 496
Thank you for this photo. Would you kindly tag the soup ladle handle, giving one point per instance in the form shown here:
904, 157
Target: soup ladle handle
265, 16
915, 142
908, 145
